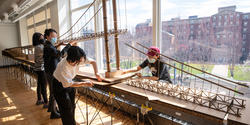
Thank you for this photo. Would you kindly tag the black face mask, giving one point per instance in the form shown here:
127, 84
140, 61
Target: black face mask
41, 41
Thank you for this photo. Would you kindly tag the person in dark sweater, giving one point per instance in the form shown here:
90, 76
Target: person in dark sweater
38, 41
51, 58
158, 68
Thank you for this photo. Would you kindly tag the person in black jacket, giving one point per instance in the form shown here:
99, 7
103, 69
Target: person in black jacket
51, 58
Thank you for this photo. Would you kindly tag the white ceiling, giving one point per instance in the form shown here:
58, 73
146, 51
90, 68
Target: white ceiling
5, 6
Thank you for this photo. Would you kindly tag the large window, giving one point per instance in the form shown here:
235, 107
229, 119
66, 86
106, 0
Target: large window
134, 15
206, 34
38, 22
85, 25
193, 32
79, 3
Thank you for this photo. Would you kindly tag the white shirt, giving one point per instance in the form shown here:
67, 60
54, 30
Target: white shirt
65, 72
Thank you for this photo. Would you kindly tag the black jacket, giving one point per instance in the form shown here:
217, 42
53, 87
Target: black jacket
51, 56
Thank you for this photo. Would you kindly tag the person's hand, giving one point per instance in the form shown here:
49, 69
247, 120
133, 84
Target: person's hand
58, 44
138, 74
99, 77
73, 43
124, 72
88, 83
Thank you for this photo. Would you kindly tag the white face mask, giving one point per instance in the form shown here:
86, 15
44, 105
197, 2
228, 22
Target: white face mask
151, 60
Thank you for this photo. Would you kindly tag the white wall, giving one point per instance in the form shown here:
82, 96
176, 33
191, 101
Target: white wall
14, 35
8, 37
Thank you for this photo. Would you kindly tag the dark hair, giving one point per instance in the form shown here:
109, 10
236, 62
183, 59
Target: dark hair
75, 53
36, 39
47, 32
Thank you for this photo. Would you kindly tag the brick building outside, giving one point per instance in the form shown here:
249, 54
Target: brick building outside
221, 38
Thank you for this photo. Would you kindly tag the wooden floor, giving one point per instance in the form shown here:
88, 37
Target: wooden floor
17, 107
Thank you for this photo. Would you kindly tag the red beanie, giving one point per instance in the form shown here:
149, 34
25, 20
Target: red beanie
152, 51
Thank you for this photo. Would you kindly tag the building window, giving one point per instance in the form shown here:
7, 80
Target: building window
244, 29
78, 7
199, 32
231, 17
243, 49
243, 42
244, 36
214, 18
231, 22
219, 24
38, 22
245, 23
225, 23
219, 17
79, 3
30, 21
39, 17
218, 36
31, 31
225, 17
214, 24
238, 15
192, 27
245, 17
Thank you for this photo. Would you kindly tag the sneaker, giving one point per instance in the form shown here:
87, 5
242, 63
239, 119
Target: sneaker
39, 102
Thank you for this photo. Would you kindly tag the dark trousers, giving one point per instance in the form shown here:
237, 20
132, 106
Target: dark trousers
65, 98
41, 86
52, 101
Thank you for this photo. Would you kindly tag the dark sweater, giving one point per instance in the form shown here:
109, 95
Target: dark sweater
51, 56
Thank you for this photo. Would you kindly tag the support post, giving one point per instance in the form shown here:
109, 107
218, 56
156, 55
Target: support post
105, 34
116, 36
156, 23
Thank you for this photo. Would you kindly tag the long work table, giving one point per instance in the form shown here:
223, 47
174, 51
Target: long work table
163, 107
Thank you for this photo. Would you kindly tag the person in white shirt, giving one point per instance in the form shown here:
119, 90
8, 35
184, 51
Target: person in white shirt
63, 85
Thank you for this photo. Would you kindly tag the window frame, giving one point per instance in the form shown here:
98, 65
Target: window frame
36, 24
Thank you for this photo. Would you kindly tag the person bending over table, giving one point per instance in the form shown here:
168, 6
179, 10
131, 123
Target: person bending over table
64, 87
158, 68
